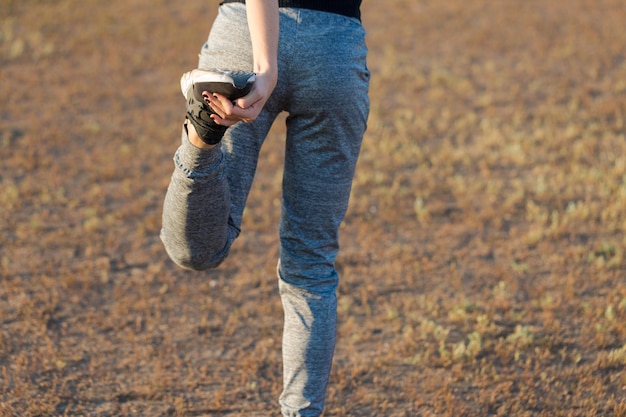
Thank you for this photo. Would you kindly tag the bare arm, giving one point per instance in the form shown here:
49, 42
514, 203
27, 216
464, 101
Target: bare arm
263, 25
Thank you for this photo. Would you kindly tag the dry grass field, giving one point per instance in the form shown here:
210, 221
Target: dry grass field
483, 256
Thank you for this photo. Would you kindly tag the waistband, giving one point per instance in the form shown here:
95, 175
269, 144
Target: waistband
350, 8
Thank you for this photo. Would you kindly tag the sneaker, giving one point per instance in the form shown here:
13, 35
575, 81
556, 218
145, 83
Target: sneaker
232, 84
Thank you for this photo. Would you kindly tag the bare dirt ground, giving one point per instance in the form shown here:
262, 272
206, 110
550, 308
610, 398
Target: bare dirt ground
483, 266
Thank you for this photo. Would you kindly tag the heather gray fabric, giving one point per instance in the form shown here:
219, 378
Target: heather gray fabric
323, 85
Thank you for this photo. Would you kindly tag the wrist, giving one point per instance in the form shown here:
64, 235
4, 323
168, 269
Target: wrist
268, 78
267, 70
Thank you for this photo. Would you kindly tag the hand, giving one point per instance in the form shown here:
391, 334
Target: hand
244, 109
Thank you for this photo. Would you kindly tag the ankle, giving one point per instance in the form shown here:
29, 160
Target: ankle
195, 139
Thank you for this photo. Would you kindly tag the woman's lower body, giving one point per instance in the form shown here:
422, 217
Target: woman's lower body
322, 85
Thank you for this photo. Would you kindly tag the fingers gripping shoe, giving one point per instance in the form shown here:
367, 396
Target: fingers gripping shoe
231, 84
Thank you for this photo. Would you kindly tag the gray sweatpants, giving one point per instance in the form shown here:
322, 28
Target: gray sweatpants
323, 85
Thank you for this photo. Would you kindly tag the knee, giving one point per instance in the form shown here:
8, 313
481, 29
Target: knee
197, 263
319, 282
193, 260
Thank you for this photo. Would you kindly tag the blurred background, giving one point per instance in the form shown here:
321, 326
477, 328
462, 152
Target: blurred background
482, 256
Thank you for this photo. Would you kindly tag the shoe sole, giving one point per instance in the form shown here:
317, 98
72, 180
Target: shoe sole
229, 83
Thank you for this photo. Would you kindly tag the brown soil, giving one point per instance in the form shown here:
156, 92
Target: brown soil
482, 257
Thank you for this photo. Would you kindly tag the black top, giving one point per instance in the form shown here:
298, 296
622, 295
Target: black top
350, 8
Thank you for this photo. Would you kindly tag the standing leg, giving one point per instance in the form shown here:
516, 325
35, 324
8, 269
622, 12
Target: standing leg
326, 123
